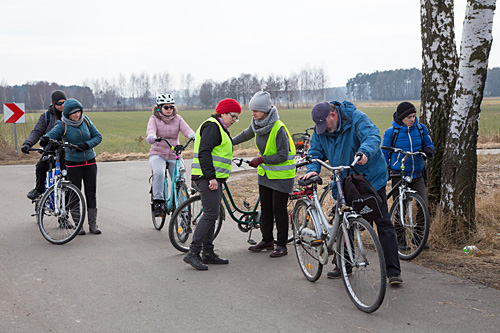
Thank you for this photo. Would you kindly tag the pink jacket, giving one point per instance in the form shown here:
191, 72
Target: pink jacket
170, 131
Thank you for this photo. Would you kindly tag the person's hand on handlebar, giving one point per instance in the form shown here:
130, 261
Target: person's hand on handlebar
309, 175
363, 159
26, 148
151, 139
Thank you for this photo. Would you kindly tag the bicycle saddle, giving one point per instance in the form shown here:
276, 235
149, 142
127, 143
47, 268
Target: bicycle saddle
315, 180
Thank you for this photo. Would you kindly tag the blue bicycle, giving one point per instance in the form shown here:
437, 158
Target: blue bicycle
60, 210
178, 192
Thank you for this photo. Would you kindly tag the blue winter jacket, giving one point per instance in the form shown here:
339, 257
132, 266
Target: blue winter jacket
409, 139
77, 135
356, 133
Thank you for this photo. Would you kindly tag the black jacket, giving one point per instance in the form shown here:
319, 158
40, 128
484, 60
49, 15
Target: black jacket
210, 138
45, 123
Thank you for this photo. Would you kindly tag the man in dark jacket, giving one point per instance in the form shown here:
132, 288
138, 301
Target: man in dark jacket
45, 123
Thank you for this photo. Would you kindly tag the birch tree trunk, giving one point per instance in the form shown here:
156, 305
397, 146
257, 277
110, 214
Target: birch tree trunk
459, 168
439, 72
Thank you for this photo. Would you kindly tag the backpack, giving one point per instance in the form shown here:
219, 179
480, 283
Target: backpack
47, 119
361, 196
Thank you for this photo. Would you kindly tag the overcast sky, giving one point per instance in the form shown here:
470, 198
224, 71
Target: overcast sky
70, 42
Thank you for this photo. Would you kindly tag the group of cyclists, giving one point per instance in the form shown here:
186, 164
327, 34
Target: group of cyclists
341, 131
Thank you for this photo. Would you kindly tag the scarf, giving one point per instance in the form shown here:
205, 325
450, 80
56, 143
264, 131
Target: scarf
264, 126
72, 123
166, 119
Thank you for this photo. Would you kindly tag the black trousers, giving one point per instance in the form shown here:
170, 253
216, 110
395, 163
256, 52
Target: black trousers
273, 208
41, 169
203, 235
88, 173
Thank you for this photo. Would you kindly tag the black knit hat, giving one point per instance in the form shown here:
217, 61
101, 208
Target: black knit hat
58, 95
404, 110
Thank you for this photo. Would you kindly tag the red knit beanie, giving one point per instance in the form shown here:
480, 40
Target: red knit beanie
228, 105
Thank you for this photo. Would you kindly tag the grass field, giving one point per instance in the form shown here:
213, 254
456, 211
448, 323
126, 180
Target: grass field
125, 132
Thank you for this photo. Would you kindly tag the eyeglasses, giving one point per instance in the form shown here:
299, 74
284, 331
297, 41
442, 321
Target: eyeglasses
166, 107
235, 117
59, 103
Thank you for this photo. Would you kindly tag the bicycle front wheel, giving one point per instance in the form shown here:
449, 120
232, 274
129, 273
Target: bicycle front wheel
413, 230
363, 267
60, 221
184, 220
303, 240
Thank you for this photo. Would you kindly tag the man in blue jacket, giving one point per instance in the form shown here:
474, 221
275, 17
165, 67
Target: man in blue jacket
341, 131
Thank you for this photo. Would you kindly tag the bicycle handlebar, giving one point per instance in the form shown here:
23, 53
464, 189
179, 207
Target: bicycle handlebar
239, 161
407, 153
310, 159
178, 148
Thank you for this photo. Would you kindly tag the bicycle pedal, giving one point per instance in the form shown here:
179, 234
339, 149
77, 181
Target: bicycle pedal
316, 243
251, 242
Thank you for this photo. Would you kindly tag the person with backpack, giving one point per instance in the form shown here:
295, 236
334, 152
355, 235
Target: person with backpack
77, 129
45, 123
340, 133
276, 169
165, 123
408, 134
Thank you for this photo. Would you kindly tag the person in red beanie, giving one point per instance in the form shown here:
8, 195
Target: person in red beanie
212, 158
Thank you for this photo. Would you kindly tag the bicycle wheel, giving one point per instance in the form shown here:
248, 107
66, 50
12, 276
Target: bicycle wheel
158, 220
363, 273
182, 193
303, 235
61, 221
413, 231
184, 220
327, 202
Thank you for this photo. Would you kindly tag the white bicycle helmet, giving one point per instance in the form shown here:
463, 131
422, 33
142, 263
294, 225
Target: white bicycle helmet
165, 99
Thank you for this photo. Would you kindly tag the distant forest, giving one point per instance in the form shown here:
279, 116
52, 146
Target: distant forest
303, 89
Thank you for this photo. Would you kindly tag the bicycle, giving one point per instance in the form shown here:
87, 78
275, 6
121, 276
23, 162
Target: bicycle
60, 210
348, 237
413, 229
186, 216
302, 141
178, 192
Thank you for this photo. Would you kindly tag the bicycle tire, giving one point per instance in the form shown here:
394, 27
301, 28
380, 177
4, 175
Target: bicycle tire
307, 255
158, 221
412, 237
59, 228
327, 202
183, 223
365, 276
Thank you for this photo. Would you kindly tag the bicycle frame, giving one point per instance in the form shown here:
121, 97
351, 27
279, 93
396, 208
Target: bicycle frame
177, 177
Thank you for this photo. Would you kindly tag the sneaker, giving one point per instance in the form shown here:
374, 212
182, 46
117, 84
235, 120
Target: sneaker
395, 280
158, 208
262, 246
195, 261
336, 273
279, 251
33, 194
213, 258
81, 232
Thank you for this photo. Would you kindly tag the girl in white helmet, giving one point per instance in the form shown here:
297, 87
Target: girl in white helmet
164, 123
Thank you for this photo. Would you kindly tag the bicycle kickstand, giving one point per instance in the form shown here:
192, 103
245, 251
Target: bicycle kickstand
250, 240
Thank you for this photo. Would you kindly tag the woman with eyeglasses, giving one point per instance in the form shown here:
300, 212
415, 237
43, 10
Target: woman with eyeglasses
276, 169
212, 158
164, 123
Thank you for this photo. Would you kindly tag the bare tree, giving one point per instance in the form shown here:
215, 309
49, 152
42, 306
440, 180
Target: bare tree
453, 114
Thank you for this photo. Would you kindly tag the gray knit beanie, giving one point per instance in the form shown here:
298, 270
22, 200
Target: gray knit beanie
261, 101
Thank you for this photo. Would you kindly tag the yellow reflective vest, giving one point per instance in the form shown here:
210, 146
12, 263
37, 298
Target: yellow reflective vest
283, 170
222, 154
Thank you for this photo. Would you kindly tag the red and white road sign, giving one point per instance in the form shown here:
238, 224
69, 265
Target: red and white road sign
14, 113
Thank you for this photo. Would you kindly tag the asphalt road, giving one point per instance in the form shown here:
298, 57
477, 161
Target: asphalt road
130, 279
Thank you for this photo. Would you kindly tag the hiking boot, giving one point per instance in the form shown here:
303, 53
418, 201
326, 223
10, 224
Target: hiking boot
395, 280
195, 261
92, 217
33, 194
262, 246
279, 251
213, 258
336, 273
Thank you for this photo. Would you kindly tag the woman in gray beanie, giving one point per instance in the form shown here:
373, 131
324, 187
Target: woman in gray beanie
276, 169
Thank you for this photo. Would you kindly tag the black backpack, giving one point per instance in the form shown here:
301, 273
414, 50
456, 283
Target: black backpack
361, 196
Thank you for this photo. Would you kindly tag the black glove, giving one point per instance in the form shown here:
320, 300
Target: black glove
44, 140
428, 151
26, 148
83, 146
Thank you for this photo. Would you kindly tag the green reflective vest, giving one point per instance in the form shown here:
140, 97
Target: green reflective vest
222, 154
283, 170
